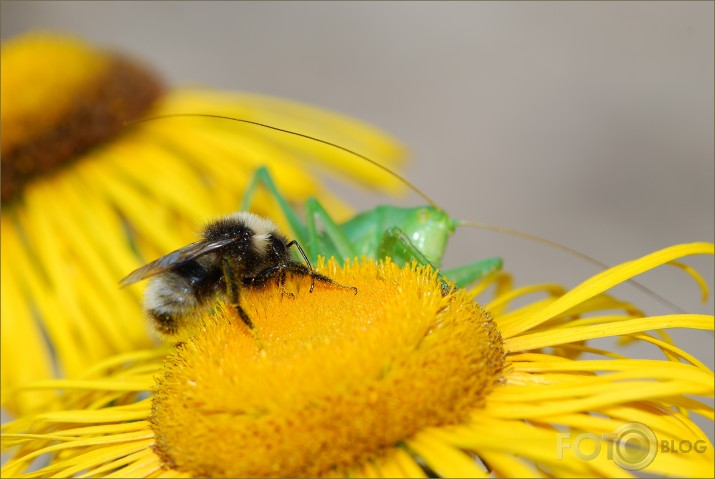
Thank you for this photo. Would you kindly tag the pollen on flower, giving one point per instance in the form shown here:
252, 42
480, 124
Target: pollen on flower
329, 377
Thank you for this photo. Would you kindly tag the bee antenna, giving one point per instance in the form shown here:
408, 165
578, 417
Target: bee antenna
298, 134
571, 251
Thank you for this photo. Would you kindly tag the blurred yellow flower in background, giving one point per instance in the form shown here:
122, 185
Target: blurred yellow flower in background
87, 199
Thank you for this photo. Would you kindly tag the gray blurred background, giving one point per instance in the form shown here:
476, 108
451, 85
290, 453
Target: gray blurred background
587, 123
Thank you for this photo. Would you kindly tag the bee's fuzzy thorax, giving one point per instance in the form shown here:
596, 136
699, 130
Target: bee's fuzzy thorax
263, 229
246, 224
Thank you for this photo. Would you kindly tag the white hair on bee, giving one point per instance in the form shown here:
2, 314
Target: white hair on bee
263, 229
169, 295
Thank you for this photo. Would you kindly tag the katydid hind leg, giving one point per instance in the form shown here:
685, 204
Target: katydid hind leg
397, 245
335, 241
263, 177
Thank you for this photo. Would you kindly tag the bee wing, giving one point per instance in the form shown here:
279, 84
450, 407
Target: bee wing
174, 259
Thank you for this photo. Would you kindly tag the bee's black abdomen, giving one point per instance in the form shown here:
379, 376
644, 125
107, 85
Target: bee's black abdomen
203, 280
192, 272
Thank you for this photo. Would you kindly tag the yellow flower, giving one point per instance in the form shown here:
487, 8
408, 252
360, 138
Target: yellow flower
400, 380
87, 199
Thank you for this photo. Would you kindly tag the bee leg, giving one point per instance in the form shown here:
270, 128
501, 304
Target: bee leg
326, 280
296, 269
303, 270
282, 282
307, 261
277, 272
233, 290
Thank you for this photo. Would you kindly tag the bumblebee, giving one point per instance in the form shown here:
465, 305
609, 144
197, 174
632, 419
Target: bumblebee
241, 250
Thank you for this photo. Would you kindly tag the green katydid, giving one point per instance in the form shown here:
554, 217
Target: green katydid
402, 233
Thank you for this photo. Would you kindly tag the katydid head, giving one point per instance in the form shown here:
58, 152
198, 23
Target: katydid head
429, 229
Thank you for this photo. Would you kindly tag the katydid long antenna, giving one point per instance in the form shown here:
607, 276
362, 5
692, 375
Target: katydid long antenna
571, 251
300, 135
460, 223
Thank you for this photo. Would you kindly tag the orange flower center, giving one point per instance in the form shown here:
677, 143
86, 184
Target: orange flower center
329, 377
